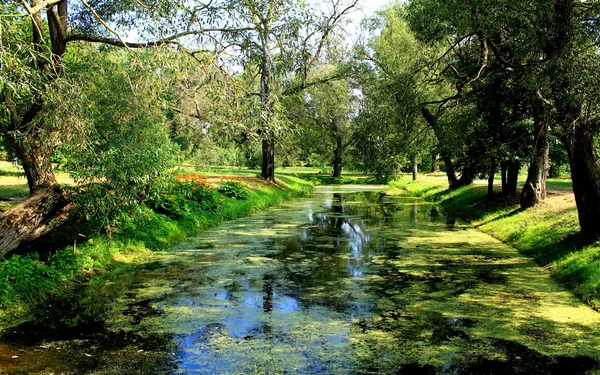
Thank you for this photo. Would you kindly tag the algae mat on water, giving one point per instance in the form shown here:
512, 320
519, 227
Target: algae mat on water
353, 280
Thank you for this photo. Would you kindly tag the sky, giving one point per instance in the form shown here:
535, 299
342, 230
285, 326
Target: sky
367, 8
370, 6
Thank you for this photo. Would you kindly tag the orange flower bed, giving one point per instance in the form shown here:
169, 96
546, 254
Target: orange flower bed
198, 179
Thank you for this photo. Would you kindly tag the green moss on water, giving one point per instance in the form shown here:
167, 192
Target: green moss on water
352, 290
26, 281
549, 232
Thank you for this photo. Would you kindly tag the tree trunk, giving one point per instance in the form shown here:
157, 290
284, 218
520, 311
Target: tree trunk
504, 175
466, 178
585, 175
453, 181
268, 143
43, 212
534, 190
490, 191
268, 160
338, 153
512, 178
35, 154
577, 132
450, 171
415, 169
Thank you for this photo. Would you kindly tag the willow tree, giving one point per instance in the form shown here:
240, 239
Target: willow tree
282, 42
36, 93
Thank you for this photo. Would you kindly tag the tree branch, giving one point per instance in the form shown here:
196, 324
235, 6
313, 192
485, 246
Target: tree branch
39, 6
155, 43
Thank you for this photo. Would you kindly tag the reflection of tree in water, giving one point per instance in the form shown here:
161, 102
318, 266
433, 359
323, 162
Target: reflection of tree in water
334, 246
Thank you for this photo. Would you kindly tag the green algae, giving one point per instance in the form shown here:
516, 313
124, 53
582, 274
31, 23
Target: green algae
345, 282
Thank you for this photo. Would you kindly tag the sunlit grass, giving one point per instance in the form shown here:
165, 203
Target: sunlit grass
25, 280
549, 232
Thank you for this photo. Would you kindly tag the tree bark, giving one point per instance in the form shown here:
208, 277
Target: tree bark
35, 155
338, 152
44, 211
512, 178
504, 175
338, 155
534, 190
466, 178
490, 190
453, 181
268, 159
450, 171
415, 169
268, 143
577, 132
585, 175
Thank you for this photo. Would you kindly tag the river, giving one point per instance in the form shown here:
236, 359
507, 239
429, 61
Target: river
352, 280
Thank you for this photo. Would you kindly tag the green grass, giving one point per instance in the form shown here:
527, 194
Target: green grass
549, 233
25, 280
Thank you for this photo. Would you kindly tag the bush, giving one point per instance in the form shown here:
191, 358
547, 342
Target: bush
174, 200
233, 189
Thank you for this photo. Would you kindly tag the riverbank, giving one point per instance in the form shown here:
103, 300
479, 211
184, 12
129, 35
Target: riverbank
548, 233
28, 280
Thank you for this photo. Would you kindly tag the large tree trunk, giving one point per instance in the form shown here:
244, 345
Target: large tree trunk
268, 159
534, 190
268, 143
35, 153
577, 132
512, 178
450, 171
43, 212
585, 174
453, 181
338, 153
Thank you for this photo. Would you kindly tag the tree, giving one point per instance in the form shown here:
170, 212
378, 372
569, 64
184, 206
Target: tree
329, 107
556, 38
282, 42
36, 93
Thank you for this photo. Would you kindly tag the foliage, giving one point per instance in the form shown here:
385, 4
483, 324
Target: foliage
186, 193
127, 150
28, 279
390, 128
233, 189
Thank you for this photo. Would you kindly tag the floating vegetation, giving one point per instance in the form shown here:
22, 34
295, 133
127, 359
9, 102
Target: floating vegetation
345, 282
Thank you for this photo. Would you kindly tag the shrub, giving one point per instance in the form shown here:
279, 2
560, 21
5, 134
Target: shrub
233, 189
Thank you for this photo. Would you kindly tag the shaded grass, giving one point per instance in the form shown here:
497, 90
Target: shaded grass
549, 233
26, 280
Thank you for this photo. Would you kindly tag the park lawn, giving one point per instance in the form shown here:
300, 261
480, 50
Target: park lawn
549, 233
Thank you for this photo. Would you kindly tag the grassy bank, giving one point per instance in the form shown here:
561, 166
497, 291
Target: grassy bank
28, 279
548, 233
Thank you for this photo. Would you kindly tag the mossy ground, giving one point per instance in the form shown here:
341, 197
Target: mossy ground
549, 232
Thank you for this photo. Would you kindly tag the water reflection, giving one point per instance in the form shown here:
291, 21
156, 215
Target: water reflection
341, 283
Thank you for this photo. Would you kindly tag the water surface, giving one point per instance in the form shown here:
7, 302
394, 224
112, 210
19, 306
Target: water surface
353, 280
